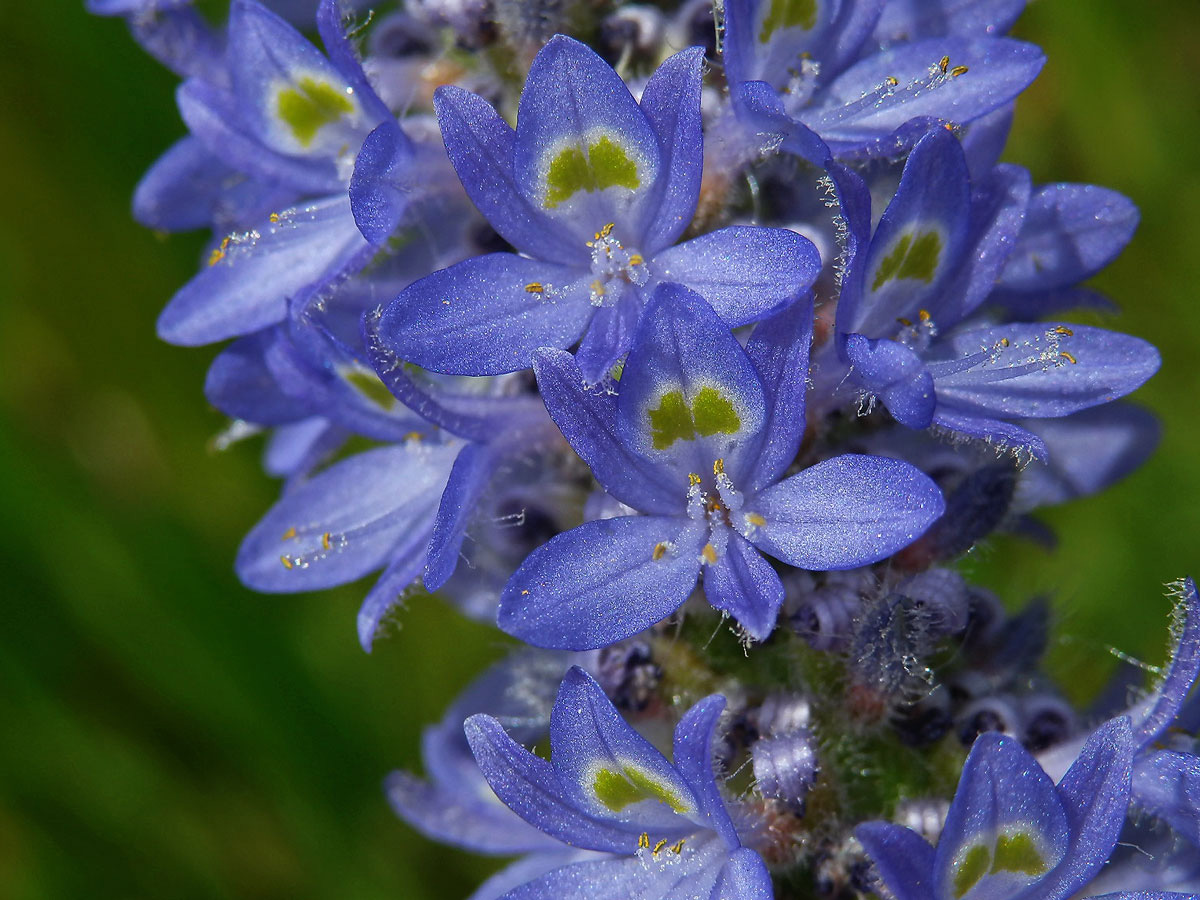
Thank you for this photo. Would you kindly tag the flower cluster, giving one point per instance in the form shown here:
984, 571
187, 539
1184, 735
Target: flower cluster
693, 359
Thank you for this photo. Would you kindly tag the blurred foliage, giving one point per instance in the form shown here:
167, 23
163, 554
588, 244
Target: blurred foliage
166, 732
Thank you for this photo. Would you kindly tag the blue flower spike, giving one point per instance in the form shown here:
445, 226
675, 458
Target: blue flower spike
592, 189
698, 442
663, 825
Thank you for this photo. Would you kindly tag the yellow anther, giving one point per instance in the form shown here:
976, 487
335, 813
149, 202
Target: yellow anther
907, 323
644, 841
274, 217
327, 540
218, 253
756, 519
660, 550
677, 847
606, 230
413, 436
636, 259
658, 847
718, 466
709, 553
289, 534
1063, 329
944, 64
1068, 357
693, 479
923, 315
598, 288
1004, 342
535, 287
958, 70
892, 81
287, 563
524, 593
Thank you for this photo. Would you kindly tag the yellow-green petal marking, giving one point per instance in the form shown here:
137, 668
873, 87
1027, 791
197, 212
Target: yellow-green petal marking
788, 14
310, 106
617, 790
911, 257
604, 165
711, 413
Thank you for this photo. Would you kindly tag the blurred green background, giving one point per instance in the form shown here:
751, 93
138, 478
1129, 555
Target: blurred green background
166, 733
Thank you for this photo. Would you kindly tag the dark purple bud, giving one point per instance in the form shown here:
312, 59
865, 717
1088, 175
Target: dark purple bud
400, 35
925, 722
939, 599
631, 30
973, 510
999, 713
1049, 720
628, 674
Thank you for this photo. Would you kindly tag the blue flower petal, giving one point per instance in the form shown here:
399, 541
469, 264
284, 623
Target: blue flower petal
693, 752
251, 276
586, 154
603, 581
486, 315
896, 375
588, 419
903, 858
845, 512
743, 272
745, 585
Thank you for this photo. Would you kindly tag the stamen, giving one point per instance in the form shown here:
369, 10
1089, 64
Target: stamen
1068, 357
709, 553
958, 70
644, 841
660, 550
535, 287
1063, 329
943, 64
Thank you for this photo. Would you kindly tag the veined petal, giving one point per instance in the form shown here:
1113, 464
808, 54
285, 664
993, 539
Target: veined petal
744, 272
845, 512
603, 581
1039, 370
779, 350
745, 585
289, 95
689, 394
904, 20
903, 858
868, 104
472, 470
379, 192
585, 151
408, 559
1070, 233
1167, 785
743, 877
896, 375
250, 276
481, 148
587, 418
1095, 794
1004, 435
689, 874
693, 752
671, 103
919, 241
1006, 830
610, 332
486, 315
528, 786
240, 384
610, 770
345, 522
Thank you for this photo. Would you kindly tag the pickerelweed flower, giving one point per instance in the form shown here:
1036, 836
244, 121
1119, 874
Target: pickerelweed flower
733, 303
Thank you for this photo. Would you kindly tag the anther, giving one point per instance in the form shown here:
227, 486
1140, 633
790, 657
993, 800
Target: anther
944, 64
660, 550
677, 847
289, 534
644, 841
658, 847
923, 315
606, 230
756, 519
709, 553
326, 540
1063, 329
218, 253
907, 323
718, 466
1005, 342
958, 70
287, 563
892, 81
1068, 357
693, 479
636, 259
274, 217
535, 287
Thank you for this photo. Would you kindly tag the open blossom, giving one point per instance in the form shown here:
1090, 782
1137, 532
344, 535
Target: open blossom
696, 358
